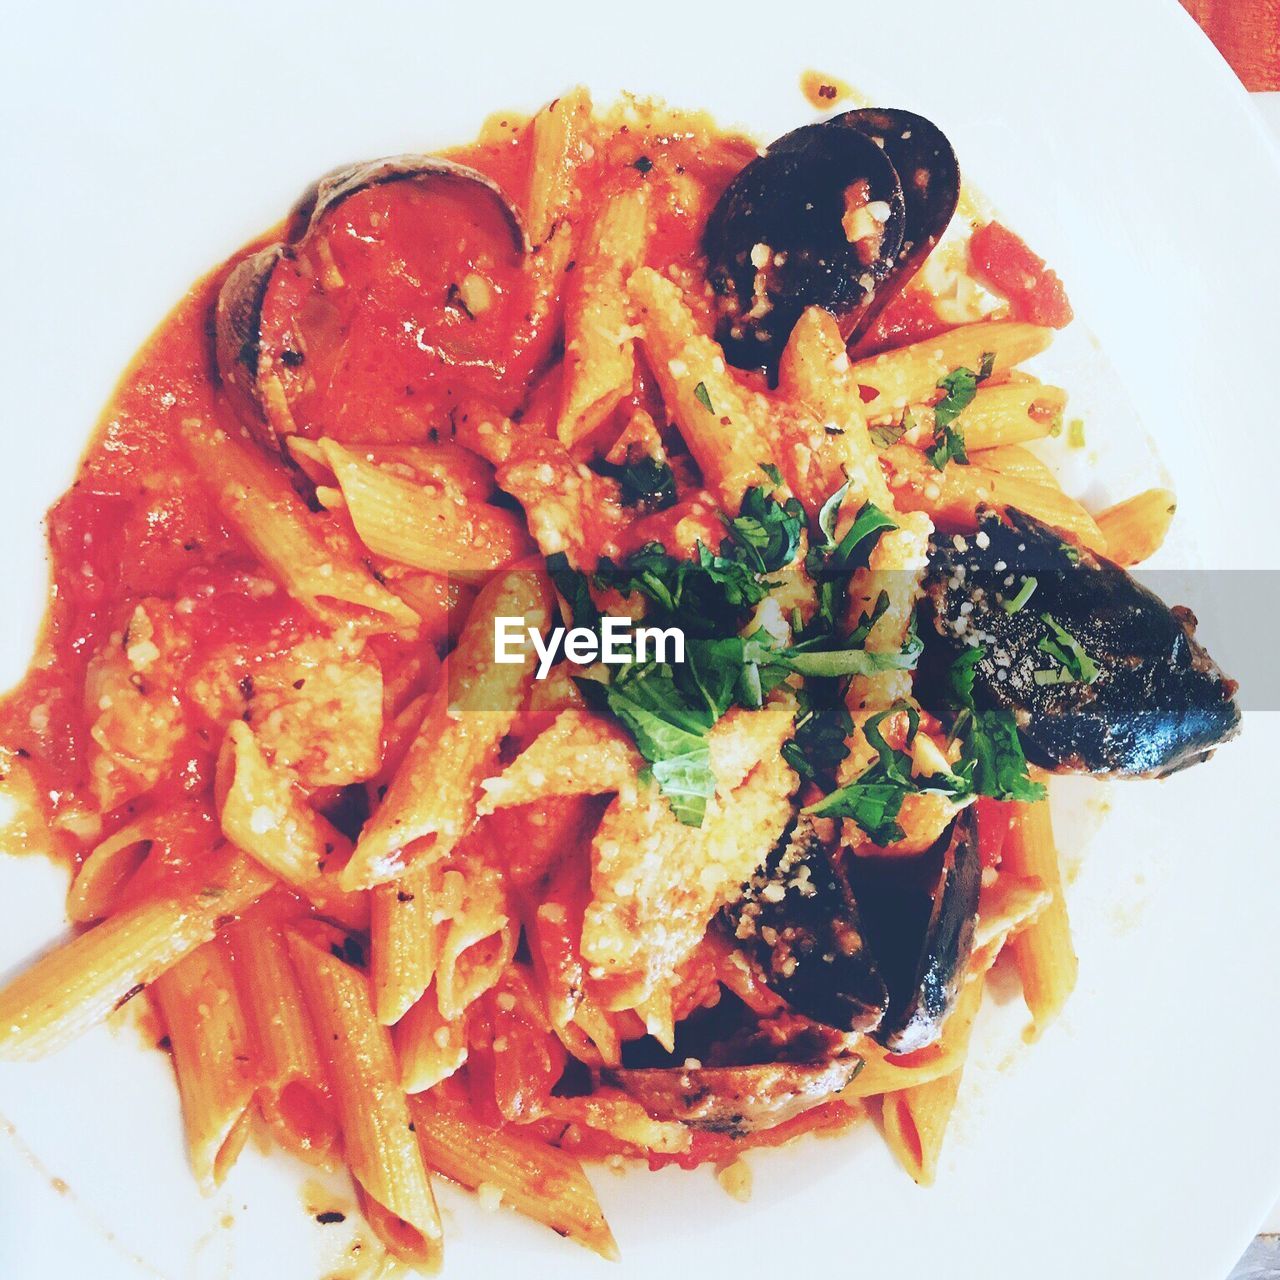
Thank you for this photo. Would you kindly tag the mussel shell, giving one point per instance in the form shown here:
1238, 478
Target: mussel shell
1159, 702
238, 309
919, 915
798, 920
327, 193
930, 176
237, 337
791, 200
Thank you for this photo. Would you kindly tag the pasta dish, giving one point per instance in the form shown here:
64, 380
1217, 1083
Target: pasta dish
557, 652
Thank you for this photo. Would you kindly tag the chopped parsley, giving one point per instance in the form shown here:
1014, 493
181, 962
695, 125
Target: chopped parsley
669, 709
874, 800
766, 534
830, 562
646, 483
703, 397
1015, 603
889, 433
958, 387
991, 755
821, 728
1074, 664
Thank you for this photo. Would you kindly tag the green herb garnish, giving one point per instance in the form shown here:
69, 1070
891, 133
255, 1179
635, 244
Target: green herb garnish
888, 434
703, 397
959, 388
670, 708
991, 755
1025, 592
874, 800
1068, 652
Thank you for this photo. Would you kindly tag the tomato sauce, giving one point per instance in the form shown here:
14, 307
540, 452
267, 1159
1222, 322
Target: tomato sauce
138, 524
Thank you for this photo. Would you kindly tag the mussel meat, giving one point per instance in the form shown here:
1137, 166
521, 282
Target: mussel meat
363, 295
1101, 676
797, 918
734, 1100
839, 215
877, 944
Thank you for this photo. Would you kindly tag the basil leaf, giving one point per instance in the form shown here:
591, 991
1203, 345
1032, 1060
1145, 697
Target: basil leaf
572, 585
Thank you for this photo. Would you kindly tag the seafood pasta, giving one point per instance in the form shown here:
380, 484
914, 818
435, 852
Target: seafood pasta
424, 875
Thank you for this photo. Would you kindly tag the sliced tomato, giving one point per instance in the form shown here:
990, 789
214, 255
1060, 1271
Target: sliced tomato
1002, 261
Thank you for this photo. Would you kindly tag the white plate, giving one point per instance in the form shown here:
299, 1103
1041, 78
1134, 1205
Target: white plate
1142, 1135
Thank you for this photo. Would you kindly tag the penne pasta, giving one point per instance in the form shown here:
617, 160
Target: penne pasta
1012, 461
723, 427
579, 754
430, 1046
291, 1090
377, 1133
569, 508
262, 508
910, 375
836, 447
1044, 953
75, 986
114, 862
200, 1006
263, 812
532, 1176
915, 1119
599, 356
1012, 413
431, 803
425, 527
445, 465
404, 941
560, 145
1135, 529
952, 497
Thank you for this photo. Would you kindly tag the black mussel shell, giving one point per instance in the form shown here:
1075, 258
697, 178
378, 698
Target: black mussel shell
919, 915
798, 920
776, 241
1151, 701
930, 176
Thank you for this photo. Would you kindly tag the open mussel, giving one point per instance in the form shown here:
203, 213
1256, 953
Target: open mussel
838, 215
877, 944
798, 920
919, 914
1101, 676
342, 326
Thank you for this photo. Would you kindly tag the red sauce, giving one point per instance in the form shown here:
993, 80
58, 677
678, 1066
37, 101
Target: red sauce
137, 524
